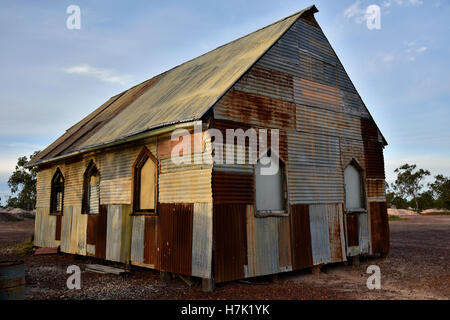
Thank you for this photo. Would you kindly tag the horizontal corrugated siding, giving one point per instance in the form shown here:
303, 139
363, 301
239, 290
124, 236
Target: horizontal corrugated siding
116, 191
43, 188
232, 187
185, 186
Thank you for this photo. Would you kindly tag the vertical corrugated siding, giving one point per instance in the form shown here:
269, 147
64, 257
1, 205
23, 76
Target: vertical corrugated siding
45, 228
202, 240
151, 241
230, 238
379, 227
74, 230
137, 241
301, 237
175, 237
96, 232
118, 233
284, 244
336, 232
320, 238
262, 245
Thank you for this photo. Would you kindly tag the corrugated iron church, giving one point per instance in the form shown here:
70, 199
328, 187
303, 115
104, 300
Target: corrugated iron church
108, 188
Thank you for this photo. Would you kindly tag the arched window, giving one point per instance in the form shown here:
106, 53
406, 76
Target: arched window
57, 193
354, 188
145, 183
91, 189
270, 186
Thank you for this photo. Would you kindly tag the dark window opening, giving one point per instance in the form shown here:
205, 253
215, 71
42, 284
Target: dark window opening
57, 193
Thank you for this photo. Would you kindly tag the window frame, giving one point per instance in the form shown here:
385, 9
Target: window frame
273, 213
54, 192
144, 156
90, 171
363, 192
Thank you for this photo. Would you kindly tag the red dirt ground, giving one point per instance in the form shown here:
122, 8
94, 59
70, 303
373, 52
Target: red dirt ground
418, 267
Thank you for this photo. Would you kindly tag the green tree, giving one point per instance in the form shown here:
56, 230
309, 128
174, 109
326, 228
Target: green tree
440, 189
409, 182
22, 184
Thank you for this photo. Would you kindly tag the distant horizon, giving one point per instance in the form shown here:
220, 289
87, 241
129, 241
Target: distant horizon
53, 76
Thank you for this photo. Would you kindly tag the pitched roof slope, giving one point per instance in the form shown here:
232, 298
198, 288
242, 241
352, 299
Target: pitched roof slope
181, 94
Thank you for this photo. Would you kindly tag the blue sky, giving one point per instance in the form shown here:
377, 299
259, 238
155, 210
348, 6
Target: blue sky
52, 76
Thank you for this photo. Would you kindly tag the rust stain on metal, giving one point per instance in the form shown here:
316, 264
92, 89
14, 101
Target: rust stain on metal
229, 187
301, 237
230, 241
97, 225
352, 230
373, 150
375, 188
379, 227
284, 242
150, 241
58, 228
175, 237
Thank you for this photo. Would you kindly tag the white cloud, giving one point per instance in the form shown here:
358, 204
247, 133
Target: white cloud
405, 3
105, 75
355, 12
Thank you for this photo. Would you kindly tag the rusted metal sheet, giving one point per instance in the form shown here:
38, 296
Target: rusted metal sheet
262, 245
352, 230
301, 237
202, 240
256, 110
358, 234
284, 244
185, 186
379, 227
373, 150
175, 237
12, 280
151, 241
376, 188
351, 149
320, 238
270, 83
336, 232
230, 238
230, 187
58, 228
96, 232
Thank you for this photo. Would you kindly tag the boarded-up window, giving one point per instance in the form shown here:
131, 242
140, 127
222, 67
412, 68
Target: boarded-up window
270, 186
354, 191
91, 189
57, 193
145, 183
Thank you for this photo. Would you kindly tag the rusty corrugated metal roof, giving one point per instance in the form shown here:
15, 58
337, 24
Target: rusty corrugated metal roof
181, 94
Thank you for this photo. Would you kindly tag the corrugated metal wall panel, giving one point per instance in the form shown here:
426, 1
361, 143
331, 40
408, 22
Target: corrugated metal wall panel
262, 245
45, 229
175, 237
256, 110
336, 232
284, 244
321, 121
97, 225
231, 187
43, 188
118, 233
74, 230
379, 223
202, 241
185, 186
301, 237
320, 238
151, 241
116, 191
137, 241
230, 239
